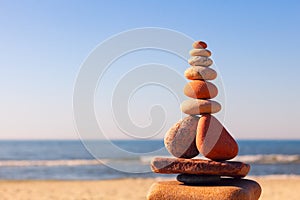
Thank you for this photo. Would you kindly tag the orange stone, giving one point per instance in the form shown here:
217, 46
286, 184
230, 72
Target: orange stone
226, 189
199, 89
199, 45
213, 140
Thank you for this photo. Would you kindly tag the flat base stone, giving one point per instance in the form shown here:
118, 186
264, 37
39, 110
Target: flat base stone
199, 167
226, 189
192, 179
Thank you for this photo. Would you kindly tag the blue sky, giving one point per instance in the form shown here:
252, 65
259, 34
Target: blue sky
254, 43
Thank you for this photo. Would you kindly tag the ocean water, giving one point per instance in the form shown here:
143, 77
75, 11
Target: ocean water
69, 160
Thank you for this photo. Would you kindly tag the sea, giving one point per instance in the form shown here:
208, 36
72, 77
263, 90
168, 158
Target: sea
70, 159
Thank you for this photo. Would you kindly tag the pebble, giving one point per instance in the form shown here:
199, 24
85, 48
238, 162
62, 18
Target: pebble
200, 61
180, 140
192, 179
199, 166
200, 89
200, 52
226, 189
213, 140
199, 106
200, 73
199, 45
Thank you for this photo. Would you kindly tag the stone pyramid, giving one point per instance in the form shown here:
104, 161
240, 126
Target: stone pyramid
215, 177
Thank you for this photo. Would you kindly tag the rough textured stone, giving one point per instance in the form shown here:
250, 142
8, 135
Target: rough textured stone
200, 73
199, 166
226, 189
213, 140
200, 61
199, 106
192, 179
200, 52
180, 140
199, 45
200, 89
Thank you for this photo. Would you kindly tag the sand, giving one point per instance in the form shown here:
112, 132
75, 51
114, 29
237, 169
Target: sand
273, 188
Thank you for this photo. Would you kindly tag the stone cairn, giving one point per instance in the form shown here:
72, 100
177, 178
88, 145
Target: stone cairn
212, 178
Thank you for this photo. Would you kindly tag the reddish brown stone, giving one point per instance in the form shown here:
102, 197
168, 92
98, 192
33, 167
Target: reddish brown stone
199, 45
200, 89
180, 140
213, 140
199, 166
226, 189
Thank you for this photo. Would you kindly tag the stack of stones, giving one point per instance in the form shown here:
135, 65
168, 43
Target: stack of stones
200, 132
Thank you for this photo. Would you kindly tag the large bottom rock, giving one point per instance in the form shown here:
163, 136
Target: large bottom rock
226, 189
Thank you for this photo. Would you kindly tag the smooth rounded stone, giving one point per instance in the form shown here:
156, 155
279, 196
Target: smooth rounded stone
192, 179
200, 73
180, 140
214, 141
200, 52
199, 45
199, 166
199, 106
200, 61
226, 189
200, 89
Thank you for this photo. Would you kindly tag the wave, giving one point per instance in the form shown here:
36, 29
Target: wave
48, 163
269, 159
250, 159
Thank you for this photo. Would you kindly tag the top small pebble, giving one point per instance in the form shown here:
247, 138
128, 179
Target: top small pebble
199, 45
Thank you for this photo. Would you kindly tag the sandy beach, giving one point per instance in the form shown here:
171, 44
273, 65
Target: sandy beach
134, 189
